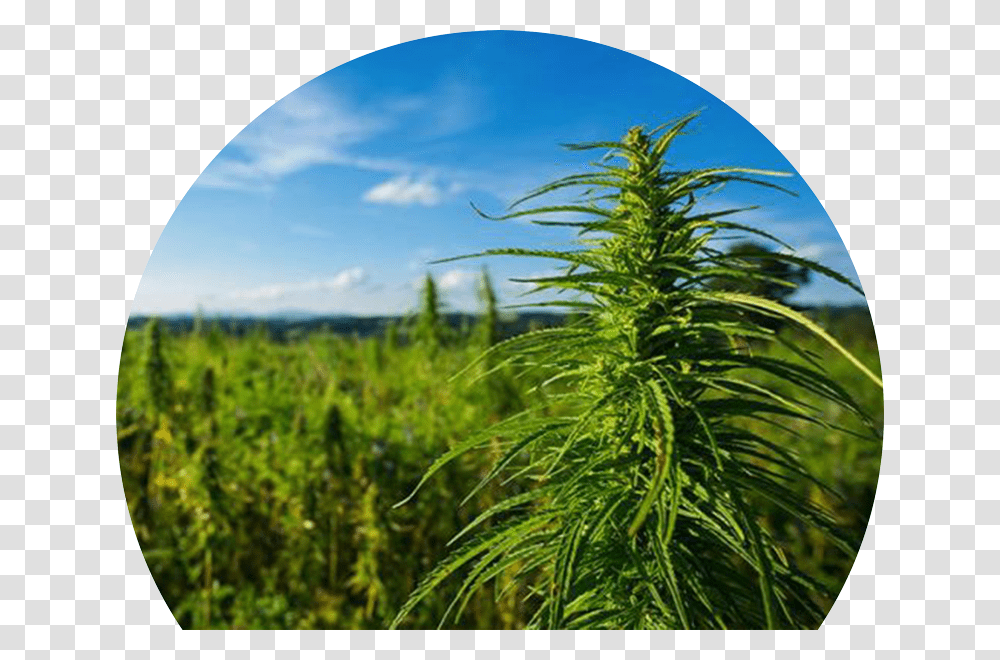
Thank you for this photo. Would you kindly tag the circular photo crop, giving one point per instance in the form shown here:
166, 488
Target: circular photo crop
500, 330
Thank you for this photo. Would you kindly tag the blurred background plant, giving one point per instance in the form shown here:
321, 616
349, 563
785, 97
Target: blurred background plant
263, 500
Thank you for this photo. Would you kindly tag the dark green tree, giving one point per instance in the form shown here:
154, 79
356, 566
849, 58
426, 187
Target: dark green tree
772, 276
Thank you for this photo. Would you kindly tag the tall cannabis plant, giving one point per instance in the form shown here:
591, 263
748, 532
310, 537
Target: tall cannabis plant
638, 513
428, 323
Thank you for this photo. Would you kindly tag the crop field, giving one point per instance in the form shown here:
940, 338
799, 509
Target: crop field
261, 484
682, 451
260, 476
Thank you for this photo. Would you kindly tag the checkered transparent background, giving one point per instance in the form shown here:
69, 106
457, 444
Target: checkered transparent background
109, 111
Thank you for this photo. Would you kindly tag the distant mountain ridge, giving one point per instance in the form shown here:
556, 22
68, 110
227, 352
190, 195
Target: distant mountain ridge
287, 324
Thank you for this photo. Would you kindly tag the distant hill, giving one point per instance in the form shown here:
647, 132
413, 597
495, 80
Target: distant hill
286, 326
291, 324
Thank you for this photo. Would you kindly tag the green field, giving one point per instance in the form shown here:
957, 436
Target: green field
684, 451
261, 474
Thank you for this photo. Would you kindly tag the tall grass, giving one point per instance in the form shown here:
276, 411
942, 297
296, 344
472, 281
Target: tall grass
637, 512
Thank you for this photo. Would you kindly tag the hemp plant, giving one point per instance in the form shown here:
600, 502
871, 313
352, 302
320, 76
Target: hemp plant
637, 508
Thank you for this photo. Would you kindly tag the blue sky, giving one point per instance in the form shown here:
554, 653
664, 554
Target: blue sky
336, 198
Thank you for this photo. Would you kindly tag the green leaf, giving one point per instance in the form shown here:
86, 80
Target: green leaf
664, 460
804, 321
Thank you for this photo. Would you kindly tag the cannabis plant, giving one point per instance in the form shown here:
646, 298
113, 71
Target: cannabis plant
488, 327
637, 510
428, 322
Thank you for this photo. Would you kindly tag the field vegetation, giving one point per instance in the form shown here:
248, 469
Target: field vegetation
262, 487
681, 452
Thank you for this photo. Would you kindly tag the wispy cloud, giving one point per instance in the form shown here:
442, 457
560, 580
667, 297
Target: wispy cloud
315, 127
404, 191
306, 128
342, 281
457, 106
310, 231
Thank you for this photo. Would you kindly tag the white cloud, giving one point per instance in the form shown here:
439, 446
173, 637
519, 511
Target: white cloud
452, 281
457, 279
404, 191
342, 281
346, 279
